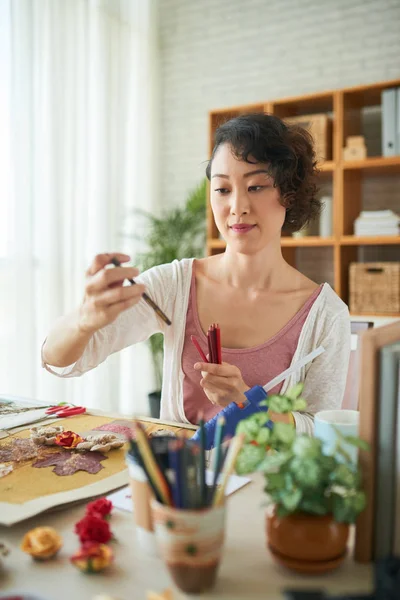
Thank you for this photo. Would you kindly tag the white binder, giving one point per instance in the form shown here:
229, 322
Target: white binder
389, 125
398, 120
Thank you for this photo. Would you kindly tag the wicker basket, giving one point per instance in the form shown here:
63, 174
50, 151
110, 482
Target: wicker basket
375, 288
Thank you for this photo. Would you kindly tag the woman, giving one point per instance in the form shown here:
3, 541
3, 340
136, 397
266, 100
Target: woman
262, 181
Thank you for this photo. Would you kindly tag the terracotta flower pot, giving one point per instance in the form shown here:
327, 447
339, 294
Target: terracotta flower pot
307, 543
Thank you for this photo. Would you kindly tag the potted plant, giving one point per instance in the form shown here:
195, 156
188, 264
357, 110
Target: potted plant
314, 496
177, 233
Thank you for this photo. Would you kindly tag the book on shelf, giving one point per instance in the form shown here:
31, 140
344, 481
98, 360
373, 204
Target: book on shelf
377, 222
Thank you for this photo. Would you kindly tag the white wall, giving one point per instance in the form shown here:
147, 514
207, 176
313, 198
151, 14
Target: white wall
217, 53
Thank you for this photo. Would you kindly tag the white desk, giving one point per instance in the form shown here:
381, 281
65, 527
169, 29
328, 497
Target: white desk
247, 570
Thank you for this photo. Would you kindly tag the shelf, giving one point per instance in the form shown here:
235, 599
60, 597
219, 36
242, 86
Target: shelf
375, 164
369, 240
312, 240
369, 94
367, 316
216, 243
354, 185
327, 167
302, 105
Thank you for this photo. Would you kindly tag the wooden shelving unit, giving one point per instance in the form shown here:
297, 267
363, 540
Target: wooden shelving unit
345, 107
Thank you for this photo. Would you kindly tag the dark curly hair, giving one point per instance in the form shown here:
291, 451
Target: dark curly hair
289, 151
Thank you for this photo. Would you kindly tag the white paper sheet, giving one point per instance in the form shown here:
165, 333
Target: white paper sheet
122, 499
17, 419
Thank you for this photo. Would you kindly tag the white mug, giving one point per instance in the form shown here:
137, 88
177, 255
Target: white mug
326, 422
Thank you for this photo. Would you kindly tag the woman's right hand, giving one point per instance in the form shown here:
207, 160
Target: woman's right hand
105, 296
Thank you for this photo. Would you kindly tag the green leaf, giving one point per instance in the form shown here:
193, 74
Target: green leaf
307, 473
355, 441
249, 427
315, 506
291, 500
299, 404
274, 481
344, 475
263, 436
284, 432
279, 404
295, 391
249, 458
347, 508
273, 461
307, 447
343, 452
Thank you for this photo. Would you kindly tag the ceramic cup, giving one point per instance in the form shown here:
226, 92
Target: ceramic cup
141, 497
326, 422
190, 543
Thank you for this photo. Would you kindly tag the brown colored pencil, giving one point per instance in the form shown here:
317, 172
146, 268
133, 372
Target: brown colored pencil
146, 298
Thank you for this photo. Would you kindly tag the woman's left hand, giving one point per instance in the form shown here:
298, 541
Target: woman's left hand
222, 384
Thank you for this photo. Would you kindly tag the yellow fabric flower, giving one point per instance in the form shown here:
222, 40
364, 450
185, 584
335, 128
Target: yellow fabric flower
92, 557
41, 543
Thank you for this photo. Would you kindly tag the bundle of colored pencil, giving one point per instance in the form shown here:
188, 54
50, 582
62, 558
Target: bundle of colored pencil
213, 343
176, 467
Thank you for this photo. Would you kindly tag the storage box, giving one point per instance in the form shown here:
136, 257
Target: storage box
375, 288
320, 128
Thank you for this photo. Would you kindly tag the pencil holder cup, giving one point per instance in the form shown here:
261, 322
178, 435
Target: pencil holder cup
141, 497
190, 542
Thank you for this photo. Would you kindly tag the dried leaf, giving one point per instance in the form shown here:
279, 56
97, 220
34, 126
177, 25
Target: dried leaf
68, 463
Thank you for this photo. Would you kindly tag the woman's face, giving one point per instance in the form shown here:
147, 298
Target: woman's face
245, 203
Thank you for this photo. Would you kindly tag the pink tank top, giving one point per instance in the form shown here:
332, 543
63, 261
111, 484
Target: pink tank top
258, 365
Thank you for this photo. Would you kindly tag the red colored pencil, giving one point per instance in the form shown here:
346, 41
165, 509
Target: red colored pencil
198, 348
219, 351
210, 346
214, 339
213, 335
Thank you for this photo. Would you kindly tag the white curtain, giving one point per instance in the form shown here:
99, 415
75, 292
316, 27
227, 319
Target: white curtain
78, 133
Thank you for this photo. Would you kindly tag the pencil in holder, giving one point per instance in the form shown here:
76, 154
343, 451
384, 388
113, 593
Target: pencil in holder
191, 544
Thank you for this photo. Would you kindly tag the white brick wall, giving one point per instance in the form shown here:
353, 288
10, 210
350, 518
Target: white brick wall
217, 53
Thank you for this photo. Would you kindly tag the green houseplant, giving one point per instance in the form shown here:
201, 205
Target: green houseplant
314, 496
177, 233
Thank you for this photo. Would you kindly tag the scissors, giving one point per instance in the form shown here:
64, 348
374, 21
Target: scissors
65, 411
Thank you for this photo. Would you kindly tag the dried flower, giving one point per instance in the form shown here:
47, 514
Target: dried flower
68, 439
42, 543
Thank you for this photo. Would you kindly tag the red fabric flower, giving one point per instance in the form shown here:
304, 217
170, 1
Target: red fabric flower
93, 528
101, 507
68, 439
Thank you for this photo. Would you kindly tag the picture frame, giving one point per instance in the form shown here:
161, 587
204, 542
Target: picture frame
371, 342
387, 462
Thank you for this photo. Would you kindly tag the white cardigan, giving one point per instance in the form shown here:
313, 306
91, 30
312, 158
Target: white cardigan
327, 324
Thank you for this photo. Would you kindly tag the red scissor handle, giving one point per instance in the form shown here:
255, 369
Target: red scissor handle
73, 410
65, 411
